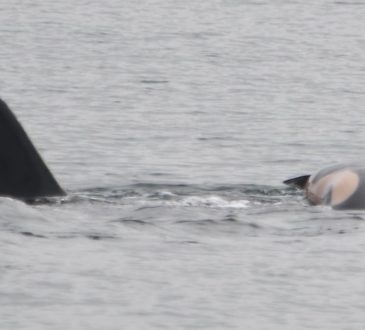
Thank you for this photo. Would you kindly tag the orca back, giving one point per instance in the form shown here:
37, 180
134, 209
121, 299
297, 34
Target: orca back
23, 173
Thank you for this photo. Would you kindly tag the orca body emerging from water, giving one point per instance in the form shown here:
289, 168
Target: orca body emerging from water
341, 186
23, 173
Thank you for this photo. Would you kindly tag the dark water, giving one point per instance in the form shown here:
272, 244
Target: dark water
171, 124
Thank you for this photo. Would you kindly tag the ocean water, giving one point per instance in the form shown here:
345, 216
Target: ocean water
171, 125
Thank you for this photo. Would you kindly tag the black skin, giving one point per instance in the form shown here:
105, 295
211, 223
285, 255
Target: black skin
354, 202
298, 182
23, 173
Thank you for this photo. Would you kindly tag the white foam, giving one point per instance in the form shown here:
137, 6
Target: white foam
211, 202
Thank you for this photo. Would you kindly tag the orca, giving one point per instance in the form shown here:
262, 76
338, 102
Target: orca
340, 186
23, 173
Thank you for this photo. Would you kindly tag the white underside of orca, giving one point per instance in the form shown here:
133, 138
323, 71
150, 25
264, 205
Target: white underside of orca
340, 186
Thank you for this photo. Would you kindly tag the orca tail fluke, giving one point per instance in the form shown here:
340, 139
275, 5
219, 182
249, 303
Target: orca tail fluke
298, 182
23, 173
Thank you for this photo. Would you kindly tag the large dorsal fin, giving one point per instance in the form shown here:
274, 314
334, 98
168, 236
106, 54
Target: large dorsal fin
298, 182
23, 173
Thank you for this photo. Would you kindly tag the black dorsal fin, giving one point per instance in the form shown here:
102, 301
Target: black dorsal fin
23, 173
298, 182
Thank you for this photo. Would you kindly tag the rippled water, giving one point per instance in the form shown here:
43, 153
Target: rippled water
171, 125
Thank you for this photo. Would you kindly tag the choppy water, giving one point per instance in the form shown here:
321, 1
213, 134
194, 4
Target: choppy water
171, 124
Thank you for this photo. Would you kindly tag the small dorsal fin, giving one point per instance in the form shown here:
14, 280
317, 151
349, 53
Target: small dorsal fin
298, 182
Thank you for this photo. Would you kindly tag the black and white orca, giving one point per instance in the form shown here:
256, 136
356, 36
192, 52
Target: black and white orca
25, 176
340, 186
23, 173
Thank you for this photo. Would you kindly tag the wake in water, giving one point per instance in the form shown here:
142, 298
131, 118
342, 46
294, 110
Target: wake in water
162, 195
186, 211
90, 211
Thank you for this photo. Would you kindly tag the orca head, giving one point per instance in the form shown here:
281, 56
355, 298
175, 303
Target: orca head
23, 173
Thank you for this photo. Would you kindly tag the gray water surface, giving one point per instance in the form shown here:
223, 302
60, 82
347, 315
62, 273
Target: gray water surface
171, 125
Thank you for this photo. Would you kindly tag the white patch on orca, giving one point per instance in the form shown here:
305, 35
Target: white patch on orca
344, 185
337, 187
